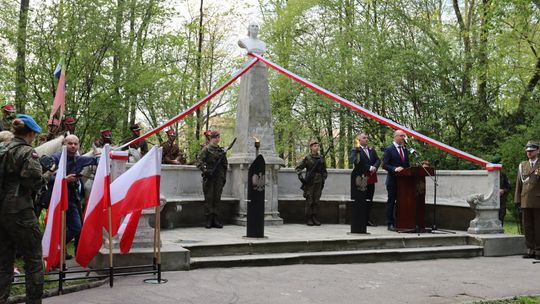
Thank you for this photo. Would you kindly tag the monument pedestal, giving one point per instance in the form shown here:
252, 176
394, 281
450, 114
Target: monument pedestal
254, 120
486, 208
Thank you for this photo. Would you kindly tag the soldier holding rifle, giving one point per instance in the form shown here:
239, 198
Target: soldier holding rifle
313, 183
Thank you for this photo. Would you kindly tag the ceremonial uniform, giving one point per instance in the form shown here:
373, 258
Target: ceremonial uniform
142, 145
8, 115
527, 197
106, 138
171, 152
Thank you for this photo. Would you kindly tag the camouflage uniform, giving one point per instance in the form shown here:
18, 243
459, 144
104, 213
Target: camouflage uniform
212, 185
314, 184
19, 230
171, 152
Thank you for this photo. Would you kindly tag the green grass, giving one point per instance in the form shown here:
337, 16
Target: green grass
514, 300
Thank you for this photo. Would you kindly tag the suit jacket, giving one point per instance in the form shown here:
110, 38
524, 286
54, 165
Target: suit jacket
359, 176
372, 160
528, 185
392, 160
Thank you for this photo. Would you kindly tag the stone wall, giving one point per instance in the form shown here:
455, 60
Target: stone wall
181, 186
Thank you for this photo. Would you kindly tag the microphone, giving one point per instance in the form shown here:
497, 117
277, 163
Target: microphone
414, 152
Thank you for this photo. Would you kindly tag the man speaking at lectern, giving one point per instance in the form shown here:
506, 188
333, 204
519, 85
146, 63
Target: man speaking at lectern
396, 158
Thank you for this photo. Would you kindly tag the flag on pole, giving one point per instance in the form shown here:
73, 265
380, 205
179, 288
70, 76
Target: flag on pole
59, 97
127, 230
95, 216
137, 188
53, 230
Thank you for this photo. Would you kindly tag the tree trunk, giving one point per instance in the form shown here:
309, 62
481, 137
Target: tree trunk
21, 88
198, 71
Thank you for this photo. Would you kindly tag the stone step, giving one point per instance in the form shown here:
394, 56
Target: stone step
366, 243
337, 257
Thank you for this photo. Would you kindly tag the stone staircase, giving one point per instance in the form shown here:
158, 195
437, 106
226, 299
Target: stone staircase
332, 251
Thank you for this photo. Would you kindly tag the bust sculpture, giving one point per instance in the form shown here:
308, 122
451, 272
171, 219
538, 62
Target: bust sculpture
251, 43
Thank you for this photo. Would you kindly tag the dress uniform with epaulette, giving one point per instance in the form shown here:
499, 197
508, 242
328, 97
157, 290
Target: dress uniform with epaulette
528, 199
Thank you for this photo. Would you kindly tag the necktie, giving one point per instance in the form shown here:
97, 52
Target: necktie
401, 154
367, 152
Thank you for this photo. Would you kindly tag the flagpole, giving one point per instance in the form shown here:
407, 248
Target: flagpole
107, 193
62, 252
111, 266
154, 259
158, 233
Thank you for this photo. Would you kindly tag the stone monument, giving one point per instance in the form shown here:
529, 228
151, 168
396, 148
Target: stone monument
486, 208
254, 120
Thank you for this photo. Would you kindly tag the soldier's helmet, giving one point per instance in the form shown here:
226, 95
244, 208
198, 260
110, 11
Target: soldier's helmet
531, 146
106, 133
171, 132
313, 142
9, 108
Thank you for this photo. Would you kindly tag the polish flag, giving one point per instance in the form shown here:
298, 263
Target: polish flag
137, 188
95, 216
50, 243
127, 231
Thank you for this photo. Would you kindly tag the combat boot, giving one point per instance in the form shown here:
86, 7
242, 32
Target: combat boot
216, 223
209, 220
315, 221
310, 221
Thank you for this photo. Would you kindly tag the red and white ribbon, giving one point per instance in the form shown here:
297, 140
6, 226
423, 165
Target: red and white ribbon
377, 117
194, 107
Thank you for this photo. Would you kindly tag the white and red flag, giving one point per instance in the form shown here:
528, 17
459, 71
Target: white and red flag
136, 189
95, 215
127, 231
52, 237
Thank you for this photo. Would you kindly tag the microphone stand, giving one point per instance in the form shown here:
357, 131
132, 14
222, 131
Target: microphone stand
434, 178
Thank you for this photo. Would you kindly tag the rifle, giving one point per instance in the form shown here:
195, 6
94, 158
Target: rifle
220, 160
311, 172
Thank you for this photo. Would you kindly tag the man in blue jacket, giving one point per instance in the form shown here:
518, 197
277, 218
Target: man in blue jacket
396, 158
75, 164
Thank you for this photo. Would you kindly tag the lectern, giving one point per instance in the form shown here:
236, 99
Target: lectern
411, 198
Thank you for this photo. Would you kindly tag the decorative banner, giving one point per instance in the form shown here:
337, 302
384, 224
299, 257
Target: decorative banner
377, 117
194, 107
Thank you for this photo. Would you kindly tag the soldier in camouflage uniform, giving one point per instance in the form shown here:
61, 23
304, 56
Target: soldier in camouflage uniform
19, 230
171, 153
8, 113
212, 161
313, 183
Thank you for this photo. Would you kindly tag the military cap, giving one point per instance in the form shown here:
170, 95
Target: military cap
135, 127
106, 133
29, 122
9, 108
170, 132
531, 146
69, 121
313, 142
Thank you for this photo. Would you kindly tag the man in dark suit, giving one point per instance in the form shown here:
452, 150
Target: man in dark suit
362, 152
396, 158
